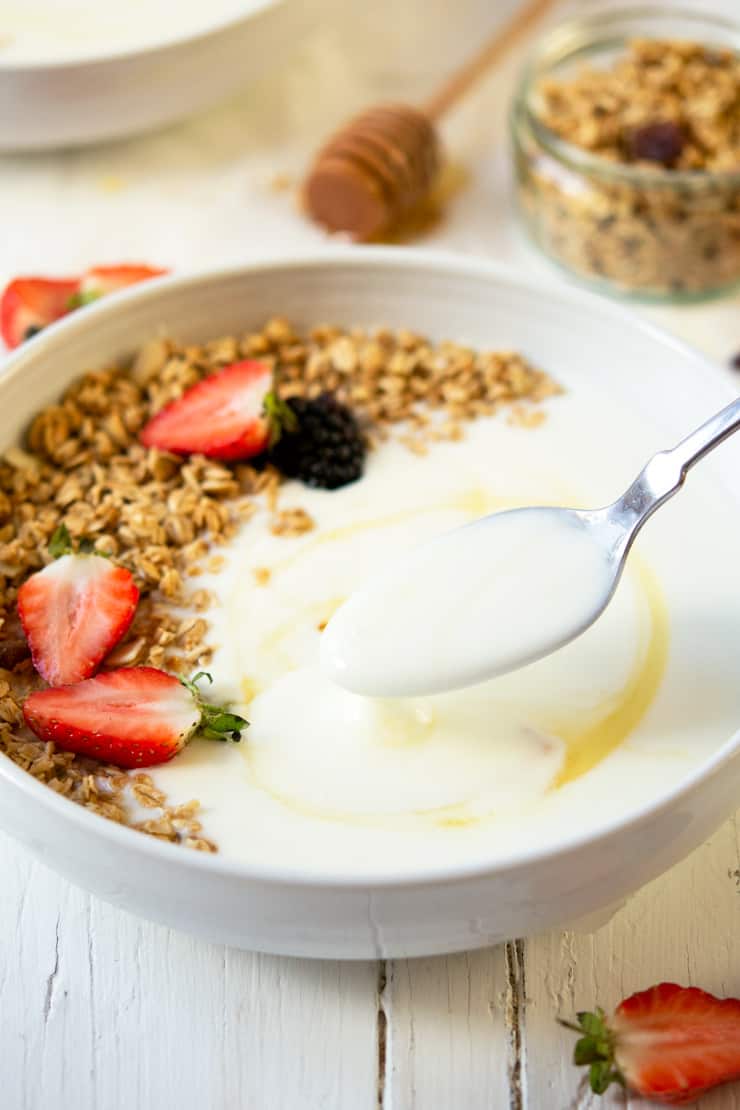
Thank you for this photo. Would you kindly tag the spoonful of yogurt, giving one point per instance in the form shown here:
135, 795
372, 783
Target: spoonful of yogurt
502, 591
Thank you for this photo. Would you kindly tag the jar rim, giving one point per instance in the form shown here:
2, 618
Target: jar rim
576, 35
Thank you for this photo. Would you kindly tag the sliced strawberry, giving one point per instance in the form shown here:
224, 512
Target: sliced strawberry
74, 612
99, 280
28, 304
668, 1043
223, 416
133, 717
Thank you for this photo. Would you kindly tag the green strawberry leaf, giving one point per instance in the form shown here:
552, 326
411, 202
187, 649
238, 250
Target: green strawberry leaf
216, 722
585, 1051
601, 1075
280, 417
60, 542
595, 1049
593, 1023
80, 299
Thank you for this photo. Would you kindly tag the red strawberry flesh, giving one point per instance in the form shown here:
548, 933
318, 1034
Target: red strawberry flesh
133, 717
29, 304
221, 417
100, 280
73, 613
673, 1043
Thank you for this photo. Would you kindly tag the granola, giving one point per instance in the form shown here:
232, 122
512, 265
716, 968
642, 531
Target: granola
660, 109
692, 87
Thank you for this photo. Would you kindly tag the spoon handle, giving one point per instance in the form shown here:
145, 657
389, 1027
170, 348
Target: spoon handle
666, 472
713, 432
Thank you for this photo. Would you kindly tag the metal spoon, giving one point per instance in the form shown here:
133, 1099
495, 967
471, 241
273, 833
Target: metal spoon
503, 591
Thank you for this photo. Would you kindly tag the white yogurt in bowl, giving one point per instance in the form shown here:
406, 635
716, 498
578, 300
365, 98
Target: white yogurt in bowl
329, 778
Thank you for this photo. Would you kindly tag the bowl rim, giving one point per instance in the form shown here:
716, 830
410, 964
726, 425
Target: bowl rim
453, 264
571, 33
213, 28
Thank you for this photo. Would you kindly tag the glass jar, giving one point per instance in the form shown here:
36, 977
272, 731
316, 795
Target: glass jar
627, 229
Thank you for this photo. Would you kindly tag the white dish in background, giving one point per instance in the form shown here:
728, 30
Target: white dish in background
56, 31
65, 82
342, 890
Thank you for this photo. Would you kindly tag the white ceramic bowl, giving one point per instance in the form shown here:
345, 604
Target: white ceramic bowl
108, 95
284, 911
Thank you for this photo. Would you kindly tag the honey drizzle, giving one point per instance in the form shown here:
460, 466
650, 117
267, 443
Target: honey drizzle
586, 747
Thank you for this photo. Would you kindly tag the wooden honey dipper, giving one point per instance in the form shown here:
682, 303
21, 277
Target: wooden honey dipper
381, 164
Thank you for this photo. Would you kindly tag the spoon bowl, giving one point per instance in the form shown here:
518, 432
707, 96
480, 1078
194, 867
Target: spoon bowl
474, 603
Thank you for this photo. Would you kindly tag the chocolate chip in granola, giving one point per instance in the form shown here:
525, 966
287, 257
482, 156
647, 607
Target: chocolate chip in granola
657, 142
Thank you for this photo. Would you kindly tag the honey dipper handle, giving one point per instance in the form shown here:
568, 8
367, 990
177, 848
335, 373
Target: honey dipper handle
471, 71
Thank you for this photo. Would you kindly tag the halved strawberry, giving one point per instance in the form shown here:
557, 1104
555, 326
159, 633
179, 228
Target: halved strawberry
75, 611
99, 280
133, 717
668, 1043
230, 415
28, 304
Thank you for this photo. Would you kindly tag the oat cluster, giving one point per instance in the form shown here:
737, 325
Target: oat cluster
398, 378
695, 87
164, 516
662, 106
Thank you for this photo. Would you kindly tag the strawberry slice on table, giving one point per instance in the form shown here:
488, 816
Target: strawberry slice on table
75, 611
99, 280
29, 304
232, 414
668, 1043
133, 717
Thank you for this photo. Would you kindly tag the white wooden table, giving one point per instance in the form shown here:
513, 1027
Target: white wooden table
101, 1011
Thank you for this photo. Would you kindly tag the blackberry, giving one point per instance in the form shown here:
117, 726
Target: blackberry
326, 449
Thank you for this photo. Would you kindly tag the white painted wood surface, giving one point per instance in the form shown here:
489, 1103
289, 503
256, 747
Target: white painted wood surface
101, 1011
